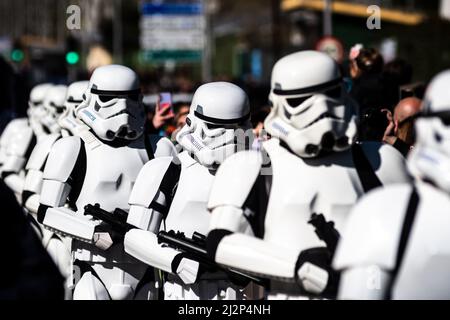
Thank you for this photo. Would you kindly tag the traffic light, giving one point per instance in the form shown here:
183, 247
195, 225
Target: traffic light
72, 57
17, 55
72, 51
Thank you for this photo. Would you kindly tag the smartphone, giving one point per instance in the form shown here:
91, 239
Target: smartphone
165, 100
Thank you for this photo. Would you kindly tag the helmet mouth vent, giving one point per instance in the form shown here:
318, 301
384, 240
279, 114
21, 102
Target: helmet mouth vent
122, 132
328, 141
342, 142
311, 149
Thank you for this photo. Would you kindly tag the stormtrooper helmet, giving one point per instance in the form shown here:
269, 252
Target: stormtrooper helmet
311, 112
74, 97
54, 106
112, 105
36, 111
430, 158
217, 125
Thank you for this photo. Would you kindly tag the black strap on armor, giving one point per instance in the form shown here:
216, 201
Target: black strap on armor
168, 187
26, 195
77, 176
36, 225
257, 200
148, 277
86, 267
42, 210
31, 146
366, 173
148, 147
408, 223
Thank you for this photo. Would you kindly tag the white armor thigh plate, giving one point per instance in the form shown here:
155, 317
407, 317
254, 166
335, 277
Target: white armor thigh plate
327, 186
188, 212
110, 176
425, 269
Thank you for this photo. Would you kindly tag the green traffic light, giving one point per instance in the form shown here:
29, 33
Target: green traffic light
17, 55
72, 57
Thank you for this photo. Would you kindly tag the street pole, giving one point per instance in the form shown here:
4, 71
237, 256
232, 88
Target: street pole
207, 49
118, 32
276, 29
328, 18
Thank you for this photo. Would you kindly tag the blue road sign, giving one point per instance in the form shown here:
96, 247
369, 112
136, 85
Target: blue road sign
172, 9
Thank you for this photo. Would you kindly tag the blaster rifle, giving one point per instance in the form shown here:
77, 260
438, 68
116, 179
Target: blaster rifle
116, 220
325, 230
195, 249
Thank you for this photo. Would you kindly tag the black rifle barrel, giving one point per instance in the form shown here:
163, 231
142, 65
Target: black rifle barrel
197, 249
178, 241
103, 215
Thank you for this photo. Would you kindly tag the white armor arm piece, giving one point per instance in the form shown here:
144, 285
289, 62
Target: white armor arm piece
55, 190
15, 159
8, 134
367, 253
35, 171
227, 242
388, 163
147, 204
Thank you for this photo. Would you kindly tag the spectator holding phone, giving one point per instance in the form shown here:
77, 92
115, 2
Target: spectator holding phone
162, 116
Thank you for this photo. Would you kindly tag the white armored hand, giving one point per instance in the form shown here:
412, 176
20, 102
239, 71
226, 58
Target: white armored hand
312, 278
187, 270
314, 272
144, 246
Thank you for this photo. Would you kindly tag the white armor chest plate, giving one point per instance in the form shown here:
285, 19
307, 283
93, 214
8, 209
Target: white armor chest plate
110, 174
425, 269
300, 187
188, 212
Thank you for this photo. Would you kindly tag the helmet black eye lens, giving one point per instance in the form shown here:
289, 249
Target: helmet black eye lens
213, 125
104, 98
333, 93
295, 102
134, 97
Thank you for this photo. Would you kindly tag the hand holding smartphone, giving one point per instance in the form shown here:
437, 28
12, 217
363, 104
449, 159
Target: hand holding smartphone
163, 111
165, 106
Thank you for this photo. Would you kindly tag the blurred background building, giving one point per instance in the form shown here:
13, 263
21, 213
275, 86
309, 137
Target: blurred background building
176, 44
